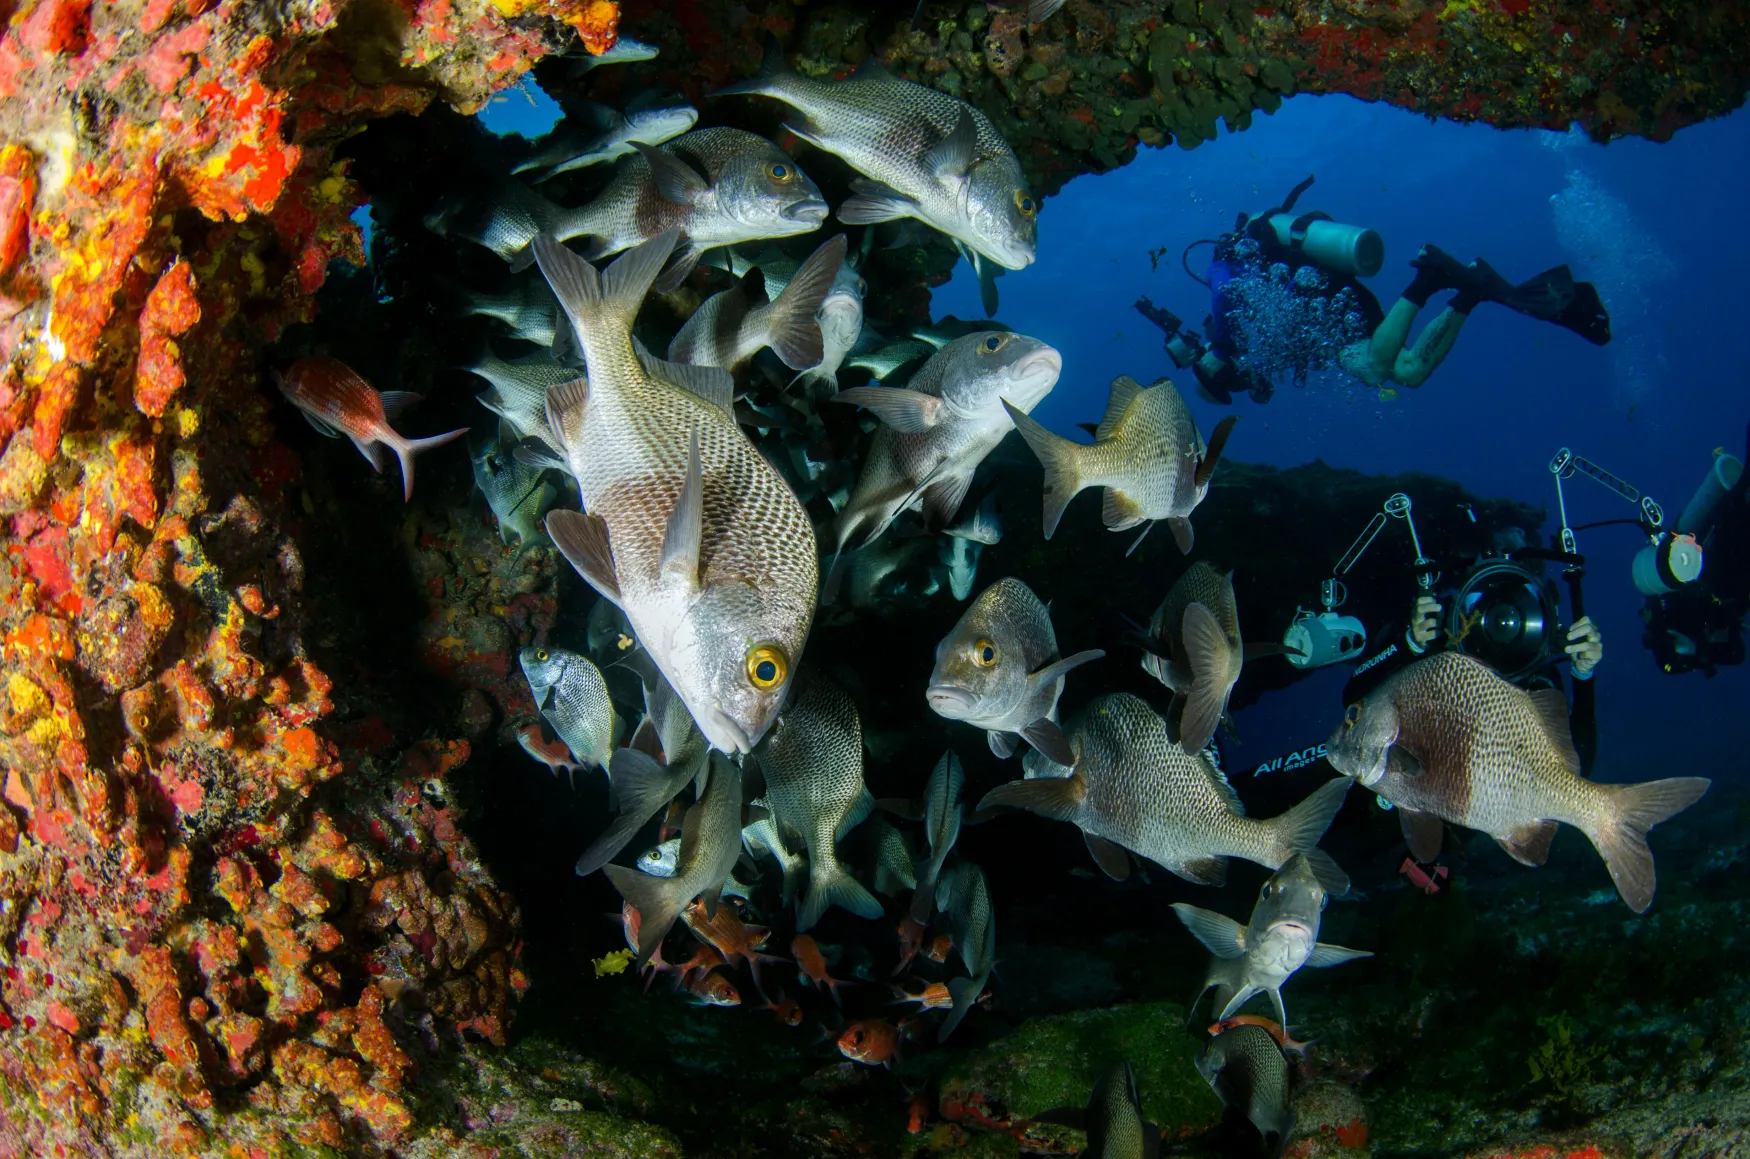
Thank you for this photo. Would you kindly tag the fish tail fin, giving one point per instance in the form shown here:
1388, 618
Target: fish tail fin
830, 885
768, 81
1206, 654
405, 449
1299, 830
644, 788
1061, 460
964, 992
610, 297
658, 901
923, 897
1621, 832
792, 330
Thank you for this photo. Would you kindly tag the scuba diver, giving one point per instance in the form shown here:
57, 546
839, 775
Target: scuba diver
1700, 626
1320, 314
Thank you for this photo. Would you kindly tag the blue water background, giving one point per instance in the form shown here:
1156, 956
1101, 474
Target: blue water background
1660, 229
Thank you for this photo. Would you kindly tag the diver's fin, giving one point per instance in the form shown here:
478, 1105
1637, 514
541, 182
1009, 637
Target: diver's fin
1586, 315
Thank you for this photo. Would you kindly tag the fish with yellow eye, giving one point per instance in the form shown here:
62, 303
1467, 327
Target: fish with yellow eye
573, 696
689, 530
1000, 670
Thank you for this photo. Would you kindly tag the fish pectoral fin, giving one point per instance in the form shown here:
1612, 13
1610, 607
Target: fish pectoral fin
583, 541
1003, 744
1202, 870
1403, 762
1327, 955
1180, 526
941, 500
534, 452
325, 429
1047, 736
1112, 858
1251, 652
1220, 935
874, 202
1529, 844
713, 384
681, 540
680, 264
676, 181
1212, 454
1424, 833
909, 412
952, 155
1241, 996
1061, 667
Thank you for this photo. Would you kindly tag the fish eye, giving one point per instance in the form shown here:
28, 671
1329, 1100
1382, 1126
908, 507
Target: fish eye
994, 343
984, 653
541, 655
1352, 716
1025, 204
766, 666
780, 171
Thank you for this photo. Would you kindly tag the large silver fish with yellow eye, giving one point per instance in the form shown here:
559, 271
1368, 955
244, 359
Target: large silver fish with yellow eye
937, 429
689, 530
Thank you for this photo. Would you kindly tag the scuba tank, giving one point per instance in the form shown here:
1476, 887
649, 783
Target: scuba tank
1344, 249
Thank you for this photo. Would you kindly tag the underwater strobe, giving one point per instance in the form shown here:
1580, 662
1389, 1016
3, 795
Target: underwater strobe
1328, 638
1669, 561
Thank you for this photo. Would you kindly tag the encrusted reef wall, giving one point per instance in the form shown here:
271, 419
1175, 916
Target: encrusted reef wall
229, 925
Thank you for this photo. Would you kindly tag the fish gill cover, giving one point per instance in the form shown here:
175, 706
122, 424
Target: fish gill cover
282, 869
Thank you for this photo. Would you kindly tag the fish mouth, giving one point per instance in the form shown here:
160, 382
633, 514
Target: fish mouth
813, 210
1291, 927
1032, 377
728, 736
949, 701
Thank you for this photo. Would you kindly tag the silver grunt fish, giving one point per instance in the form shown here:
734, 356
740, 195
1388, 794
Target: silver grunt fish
926, 155
733, 326
1246, 1068
973, 924
572, 695
999, 670
943, 809
604, 134
689, 529
1281, 937
517, 493
1115, 1124
1147, 454
936, 431
1133, 789
1447, 739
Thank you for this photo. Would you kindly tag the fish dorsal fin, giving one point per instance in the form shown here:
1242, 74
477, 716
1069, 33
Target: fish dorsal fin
676, 181
396, 402
1220, 935
952, 155
1212, 453
1550, 706
1124, 392
583, 541
713, 384
908, 412
686, 523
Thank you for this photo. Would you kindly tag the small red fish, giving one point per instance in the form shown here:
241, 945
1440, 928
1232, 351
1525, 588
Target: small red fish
1275, 1029
873, 1042
704, 960
732, 938
711, 989
919, 1113
911, 939
1424, 880
812, 964
940, 947
934, 996
629, 922
785, 1010
338, 402
552, 753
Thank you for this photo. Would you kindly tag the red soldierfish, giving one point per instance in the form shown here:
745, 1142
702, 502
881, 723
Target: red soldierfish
1276, 1030
873, 1042
1425, 880
338, 402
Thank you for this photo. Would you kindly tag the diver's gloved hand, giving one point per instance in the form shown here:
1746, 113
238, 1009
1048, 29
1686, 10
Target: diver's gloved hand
1585, 647
1424, 622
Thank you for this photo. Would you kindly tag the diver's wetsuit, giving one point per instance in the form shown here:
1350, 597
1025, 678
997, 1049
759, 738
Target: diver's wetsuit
1228, 263
1700, 626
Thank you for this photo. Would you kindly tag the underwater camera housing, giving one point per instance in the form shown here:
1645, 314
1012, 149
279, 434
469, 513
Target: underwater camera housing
1328, 638
1507, 616
1670, 560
